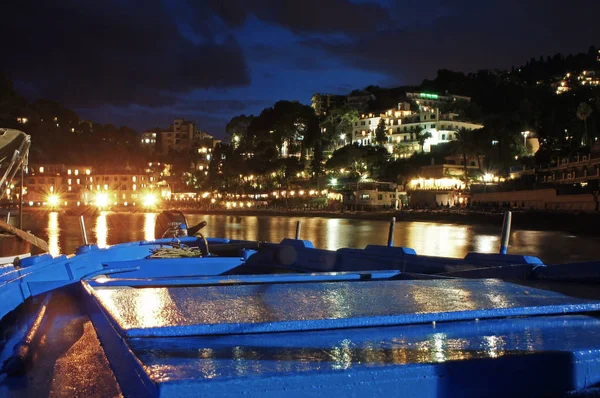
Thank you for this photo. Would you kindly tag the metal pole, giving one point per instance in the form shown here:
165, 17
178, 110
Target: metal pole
390, 241
505, 237
298, 230
21, 199
83, 231
8, 218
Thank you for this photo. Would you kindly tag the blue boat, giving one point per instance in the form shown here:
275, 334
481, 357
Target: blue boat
194, 316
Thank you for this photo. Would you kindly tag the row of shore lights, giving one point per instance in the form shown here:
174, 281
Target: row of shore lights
101, 200
205, 195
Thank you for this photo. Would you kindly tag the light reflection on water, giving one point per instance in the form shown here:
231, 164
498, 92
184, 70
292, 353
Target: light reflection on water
437, 239
101, 230
149, 220
53, 233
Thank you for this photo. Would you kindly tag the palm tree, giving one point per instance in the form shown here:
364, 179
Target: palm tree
464, 147
583, 112
421, 137
479, 144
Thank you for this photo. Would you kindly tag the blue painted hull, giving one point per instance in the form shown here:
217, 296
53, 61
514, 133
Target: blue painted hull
289, 319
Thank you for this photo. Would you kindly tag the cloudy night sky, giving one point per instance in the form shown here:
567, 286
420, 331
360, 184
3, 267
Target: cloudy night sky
144, 63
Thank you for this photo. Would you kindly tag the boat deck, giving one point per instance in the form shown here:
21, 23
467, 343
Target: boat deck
225, 338
69, 360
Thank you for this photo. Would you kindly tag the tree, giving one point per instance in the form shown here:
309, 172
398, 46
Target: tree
462, 146
584, 110
360, 161
237, 129
421, 137
337, 124
403, 149
380, 133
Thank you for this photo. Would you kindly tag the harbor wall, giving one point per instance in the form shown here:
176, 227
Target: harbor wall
539, 199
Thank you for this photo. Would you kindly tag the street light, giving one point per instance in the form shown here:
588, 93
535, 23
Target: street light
525, 134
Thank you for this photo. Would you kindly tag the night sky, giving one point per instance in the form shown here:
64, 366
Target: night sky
143, 63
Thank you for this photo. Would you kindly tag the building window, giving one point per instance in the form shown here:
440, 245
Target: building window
443, 137
365, 196
380, 197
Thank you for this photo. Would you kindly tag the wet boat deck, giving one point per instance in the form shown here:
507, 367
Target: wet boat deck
67, 358
366, 338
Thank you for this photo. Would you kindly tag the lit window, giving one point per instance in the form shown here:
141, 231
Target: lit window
78, 181
69, 172
69, 181
41, 169
88, 171
76, 172
134, 187
134, 178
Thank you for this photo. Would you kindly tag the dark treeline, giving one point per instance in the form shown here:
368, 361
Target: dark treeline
59, 134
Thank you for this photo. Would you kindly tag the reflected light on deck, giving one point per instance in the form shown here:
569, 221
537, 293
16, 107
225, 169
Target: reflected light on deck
149, 221
101, 230
53, 233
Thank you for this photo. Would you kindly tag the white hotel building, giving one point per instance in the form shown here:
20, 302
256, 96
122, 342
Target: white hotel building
401, 125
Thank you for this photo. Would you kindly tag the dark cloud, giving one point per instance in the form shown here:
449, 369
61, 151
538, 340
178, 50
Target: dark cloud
305, 16
467, 35
226, 106
290, 57
112, 52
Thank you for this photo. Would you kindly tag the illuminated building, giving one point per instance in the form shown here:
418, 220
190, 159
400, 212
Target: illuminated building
441, 184
48, 180
402, 124
59, 185
576, 169
123, 188
373, 195
436, 100
589, 78
183, 137
148, 141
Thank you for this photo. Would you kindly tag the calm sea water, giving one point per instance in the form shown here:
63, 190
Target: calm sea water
63, 234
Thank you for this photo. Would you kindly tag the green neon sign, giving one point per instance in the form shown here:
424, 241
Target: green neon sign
428, 96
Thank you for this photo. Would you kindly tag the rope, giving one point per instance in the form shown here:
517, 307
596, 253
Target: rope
176, 252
